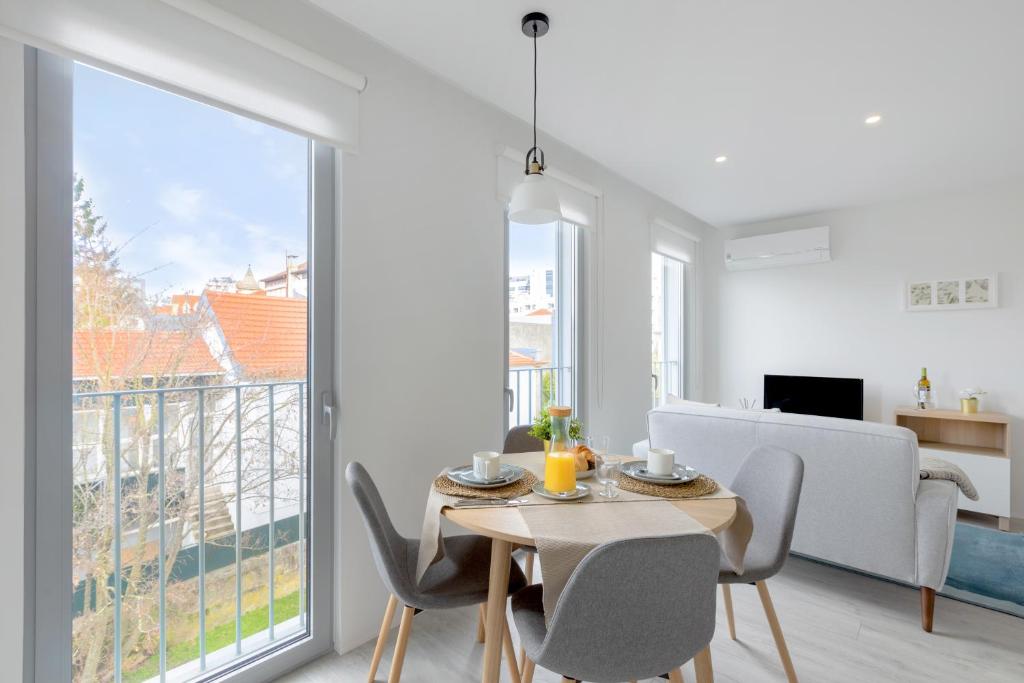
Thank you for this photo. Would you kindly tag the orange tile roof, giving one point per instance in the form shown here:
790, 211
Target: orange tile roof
266, 335
540, 311
139, 353
521, 360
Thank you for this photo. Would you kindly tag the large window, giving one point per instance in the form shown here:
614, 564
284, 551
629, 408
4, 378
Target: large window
543, 287
668, 328
188, 469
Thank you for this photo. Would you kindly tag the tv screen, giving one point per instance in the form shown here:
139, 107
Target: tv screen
826, 396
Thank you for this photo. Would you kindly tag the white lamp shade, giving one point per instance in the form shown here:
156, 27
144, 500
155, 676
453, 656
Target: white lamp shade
534, 202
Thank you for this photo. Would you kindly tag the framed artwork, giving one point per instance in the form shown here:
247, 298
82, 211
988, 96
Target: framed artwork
951, 294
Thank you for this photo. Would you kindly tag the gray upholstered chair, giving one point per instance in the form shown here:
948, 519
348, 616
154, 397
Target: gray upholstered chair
607, 628
458, 580
519, 440
769, 480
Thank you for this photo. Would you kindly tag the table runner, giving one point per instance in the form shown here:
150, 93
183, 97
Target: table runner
564, 536
590, 512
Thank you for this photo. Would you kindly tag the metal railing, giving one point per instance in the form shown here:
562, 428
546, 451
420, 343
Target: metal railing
203, 416
666, 378
536, 388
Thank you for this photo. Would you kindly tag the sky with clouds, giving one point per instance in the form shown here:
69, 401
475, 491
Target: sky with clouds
189, 192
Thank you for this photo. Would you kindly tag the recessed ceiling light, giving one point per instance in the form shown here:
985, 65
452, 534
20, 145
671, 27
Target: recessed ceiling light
721, 159
873, 120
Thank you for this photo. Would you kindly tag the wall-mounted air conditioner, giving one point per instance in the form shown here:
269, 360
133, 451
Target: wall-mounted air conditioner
780, 249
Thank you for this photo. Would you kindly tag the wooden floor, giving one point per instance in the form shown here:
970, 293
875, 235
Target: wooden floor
840, 626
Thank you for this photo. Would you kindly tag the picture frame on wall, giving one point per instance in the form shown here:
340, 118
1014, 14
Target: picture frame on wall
951, 294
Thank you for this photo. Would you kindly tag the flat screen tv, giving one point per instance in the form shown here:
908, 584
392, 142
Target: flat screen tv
826, 396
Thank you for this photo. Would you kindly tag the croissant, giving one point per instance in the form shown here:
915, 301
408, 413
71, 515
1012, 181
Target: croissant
584, 458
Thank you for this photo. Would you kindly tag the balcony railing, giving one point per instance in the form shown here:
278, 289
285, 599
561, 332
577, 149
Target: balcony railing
238, 446
536, 388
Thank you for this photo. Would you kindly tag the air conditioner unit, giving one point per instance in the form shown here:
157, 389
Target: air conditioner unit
780, 249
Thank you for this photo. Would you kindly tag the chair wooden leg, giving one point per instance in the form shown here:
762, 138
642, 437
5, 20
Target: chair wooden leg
727, 599
404, 627
528, 669
773, 622
675, 676
703, 667
510, 652
927, 608
382, 638
530, 559
480, 623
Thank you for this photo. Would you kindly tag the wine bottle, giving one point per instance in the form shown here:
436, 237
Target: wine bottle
924, 390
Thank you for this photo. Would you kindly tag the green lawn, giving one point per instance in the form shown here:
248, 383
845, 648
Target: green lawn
253, 621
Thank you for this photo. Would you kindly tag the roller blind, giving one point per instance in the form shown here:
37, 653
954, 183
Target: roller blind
579, 200
673, 242
200, 51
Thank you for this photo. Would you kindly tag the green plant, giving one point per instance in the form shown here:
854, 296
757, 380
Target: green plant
542, 427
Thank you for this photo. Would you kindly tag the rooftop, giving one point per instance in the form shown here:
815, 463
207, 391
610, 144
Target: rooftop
265, 334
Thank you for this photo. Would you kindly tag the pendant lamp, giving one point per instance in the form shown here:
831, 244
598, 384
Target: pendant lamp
534, 201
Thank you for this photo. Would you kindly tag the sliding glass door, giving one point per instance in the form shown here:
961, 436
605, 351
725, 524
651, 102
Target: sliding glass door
185, 296
543, 275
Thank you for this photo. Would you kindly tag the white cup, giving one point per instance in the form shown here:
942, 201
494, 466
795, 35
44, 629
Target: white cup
660, 461
487, 465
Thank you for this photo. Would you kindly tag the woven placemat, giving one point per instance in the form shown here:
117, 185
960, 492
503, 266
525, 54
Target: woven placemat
701, 486
448, 487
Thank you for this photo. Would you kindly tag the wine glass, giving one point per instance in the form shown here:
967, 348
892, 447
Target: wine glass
598, 444
608, 473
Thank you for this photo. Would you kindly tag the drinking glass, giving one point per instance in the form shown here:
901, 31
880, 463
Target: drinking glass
608, 473
598, 444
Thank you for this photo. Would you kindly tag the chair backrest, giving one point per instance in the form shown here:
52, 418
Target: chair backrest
519, 440
634, 609
769, 481
388, 546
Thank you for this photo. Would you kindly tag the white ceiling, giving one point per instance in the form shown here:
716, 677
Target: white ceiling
656, 89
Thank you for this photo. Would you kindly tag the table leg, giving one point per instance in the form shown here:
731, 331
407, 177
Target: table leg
702, 663
497, 594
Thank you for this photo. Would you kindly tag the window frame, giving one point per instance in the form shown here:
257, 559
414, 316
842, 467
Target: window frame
48, 562
571, 250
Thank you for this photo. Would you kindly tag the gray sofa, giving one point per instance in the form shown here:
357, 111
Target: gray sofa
863, 504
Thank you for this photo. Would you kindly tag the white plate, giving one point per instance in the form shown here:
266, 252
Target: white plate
582, 491
680, 473
509, 474
589, 474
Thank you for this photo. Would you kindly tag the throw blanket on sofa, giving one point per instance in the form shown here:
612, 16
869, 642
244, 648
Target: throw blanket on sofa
936, 468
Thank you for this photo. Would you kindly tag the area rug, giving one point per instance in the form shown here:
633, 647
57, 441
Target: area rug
987, 569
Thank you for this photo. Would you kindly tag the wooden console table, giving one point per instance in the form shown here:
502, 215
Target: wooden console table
978, 443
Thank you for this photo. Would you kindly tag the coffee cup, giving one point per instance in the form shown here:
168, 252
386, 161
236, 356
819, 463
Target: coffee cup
660, 461
487, 465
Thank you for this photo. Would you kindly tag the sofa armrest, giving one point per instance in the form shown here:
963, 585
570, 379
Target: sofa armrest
640, 448
936, 522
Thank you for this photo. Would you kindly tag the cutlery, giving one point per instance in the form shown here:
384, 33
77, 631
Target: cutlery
487, 502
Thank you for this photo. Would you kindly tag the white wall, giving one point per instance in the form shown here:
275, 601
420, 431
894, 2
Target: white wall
12, 347
421, 223
844, 318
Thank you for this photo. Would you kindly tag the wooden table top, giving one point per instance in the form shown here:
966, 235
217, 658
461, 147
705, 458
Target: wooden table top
507, 524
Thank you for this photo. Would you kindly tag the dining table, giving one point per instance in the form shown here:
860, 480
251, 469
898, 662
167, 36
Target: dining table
507, 529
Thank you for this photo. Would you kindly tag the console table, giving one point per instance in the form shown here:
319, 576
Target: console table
978, 443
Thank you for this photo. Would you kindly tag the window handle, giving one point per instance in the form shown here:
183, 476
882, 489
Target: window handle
510, 396
654, 376
327, 415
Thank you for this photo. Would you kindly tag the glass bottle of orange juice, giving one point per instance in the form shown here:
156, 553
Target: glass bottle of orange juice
560, 464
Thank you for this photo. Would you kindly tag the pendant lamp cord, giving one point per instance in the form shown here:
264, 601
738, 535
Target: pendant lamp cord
535, 92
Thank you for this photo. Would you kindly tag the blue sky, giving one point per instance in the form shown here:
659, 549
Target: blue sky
198, 191
532, 247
